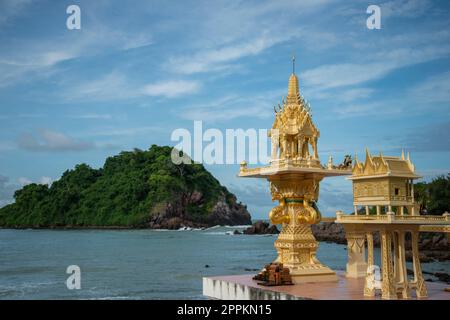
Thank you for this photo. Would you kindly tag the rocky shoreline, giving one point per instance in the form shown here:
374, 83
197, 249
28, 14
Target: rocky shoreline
433, 246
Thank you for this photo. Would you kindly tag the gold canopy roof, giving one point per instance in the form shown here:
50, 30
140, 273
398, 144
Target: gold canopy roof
381, 166
294, 116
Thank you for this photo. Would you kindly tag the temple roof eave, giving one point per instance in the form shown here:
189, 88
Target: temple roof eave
385, 175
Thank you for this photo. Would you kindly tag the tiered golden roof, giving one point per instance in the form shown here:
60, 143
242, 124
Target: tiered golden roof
384, 166
294, 135
294, 117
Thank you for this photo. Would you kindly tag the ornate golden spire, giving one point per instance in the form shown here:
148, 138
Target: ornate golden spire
293, 87
293, 96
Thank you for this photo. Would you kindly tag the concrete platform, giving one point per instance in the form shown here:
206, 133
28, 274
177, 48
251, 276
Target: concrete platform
242, 287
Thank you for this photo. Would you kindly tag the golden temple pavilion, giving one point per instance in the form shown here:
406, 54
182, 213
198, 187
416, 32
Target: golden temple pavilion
385, 183
294, 174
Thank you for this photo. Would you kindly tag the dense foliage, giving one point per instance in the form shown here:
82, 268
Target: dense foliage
124, 192
434, 197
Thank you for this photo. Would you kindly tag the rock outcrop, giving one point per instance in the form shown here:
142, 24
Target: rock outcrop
261, 227
329, 232
173, 215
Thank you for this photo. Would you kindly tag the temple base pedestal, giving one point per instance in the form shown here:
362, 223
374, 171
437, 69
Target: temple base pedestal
297, 247
324, 274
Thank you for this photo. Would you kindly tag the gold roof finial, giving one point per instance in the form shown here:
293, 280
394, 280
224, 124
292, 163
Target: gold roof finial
293, 64
368, 157
293, 96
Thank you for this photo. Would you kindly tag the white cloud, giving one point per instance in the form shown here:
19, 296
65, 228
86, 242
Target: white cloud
137, 41
217, 59
430, 174
433, 137
47, 140
114, 131
369, 108
111, 86
6, 146
24, 181
6, 190
172, 88
27, 59
233, 106
404, 8
116, 86
433, 89
378, 66
11, 9
46, 180
93, 116
346, 95
337, 75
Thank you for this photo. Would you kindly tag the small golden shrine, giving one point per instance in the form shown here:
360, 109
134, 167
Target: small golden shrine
294, 174
385, 183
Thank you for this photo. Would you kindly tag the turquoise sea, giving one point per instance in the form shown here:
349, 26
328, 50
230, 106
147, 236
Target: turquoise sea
135, 264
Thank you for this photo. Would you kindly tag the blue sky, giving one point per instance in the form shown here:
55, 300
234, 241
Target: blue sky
137, 70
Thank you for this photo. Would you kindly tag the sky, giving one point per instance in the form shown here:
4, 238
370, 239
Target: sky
138, 70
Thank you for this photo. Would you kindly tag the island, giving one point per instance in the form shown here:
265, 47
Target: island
134, 189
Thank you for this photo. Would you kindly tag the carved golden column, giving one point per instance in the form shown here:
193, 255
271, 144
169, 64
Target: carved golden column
419, 282
400, 265
388, 290
296, 245
356, 263
369, 289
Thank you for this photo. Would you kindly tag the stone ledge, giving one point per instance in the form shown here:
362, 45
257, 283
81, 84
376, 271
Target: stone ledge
242, 287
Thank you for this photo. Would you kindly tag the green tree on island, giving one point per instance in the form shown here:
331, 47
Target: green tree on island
434, 197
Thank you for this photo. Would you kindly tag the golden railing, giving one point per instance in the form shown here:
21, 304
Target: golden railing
445, 218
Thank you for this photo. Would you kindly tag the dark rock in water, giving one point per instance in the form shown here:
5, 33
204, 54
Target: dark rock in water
206, 265
237, 232
261, 227
329, 231
251, 269
442, 276
422, 256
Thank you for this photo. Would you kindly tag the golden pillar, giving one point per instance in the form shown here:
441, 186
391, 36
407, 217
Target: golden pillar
418, 283
388, 289
401, 275
296, 245
356, 250
369, 288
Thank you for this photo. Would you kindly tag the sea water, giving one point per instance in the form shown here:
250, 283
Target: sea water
136, 264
